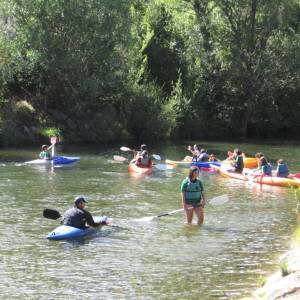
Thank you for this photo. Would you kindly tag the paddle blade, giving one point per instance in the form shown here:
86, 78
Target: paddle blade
156, 156
161, 167
125, 149
120, 158
145, 219
51, 214
219, 200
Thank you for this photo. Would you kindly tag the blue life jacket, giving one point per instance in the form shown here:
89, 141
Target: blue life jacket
282, 170
267, 169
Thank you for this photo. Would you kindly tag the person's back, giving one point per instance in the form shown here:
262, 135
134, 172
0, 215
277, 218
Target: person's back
75, 217
203, 156
238, 161
78, 217
282, 169
266, 168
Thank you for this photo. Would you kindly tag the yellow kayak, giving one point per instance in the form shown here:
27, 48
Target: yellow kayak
178, 163
249, 162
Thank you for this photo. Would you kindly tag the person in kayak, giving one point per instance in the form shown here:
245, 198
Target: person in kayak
238, 161
212, 158
282, 169
202, 157
192, 196
264, 168
143, 159
45, 153
78, 217
195, 150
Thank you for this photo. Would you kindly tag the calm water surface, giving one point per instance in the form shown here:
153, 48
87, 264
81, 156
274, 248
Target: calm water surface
163, 259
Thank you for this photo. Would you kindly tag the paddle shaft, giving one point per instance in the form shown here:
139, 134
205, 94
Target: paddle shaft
214, 201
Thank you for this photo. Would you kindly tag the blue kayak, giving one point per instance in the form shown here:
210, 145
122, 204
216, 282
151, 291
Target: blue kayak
56, 160
206, 164
65, 232
64, 160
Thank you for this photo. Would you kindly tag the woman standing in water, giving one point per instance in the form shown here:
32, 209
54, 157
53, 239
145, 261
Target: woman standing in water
192, 196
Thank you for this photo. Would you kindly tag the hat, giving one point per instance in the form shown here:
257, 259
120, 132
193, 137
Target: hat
78, 200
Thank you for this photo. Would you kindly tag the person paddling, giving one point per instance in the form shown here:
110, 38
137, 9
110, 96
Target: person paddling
192, 196
142, 158
45, 153
78, 217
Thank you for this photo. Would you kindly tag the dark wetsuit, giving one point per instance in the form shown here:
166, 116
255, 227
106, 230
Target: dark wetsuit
78, 218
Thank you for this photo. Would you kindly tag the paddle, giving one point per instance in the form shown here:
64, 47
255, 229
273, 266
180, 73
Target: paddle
51, 214
54, 214
120, 158
219, 200
126, 149
53, 141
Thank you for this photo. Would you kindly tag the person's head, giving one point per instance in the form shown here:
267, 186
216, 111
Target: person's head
263, 161
79, 202
196, 147
194, 171
237, 151
212, 156
202, 150
44, 147
280, 161
143, 147
259, 155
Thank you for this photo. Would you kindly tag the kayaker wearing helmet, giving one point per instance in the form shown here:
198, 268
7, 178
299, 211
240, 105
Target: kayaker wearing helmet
192, 196
78, 217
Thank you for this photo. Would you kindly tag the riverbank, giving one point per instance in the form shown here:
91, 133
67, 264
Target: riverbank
284, 283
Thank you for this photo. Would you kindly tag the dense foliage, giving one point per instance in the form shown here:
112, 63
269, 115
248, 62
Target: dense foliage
106, 70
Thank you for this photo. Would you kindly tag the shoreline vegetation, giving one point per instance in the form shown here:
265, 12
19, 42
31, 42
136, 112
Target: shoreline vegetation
105, 71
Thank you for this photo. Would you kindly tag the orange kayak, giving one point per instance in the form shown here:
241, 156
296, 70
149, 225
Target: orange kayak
135, 170
249, 162
269, 180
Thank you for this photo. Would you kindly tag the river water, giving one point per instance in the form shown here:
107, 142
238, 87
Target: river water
226, 258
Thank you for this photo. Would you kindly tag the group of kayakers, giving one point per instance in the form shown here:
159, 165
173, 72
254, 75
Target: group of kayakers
191, 188
264, 168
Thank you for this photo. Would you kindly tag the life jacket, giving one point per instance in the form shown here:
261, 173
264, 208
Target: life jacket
75, 217
143, 161
267, 169
282, 170
239, 163
201, 157
44, 155
193, 189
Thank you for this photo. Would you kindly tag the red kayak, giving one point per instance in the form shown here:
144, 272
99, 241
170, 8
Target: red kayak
135, 170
